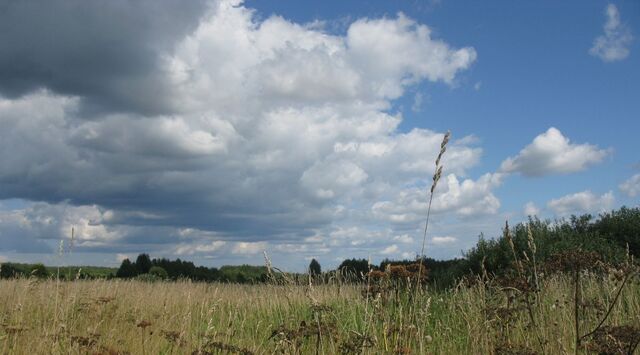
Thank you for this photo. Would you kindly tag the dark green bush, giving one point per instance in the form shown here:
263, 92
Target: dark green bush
159, 272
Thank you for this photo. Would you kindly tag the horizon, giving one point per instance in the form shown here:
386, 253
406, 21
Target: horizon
215, 130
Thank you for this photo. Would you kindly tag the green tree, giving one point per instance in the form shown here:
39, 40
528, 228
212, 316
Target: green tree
241, 278
354, 268
314, 268
39, 270
622, 227
8, 271
143, 264
127, 269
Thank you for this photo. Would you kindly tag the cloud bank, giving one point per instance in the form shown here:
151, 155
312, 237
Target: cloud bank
204, 130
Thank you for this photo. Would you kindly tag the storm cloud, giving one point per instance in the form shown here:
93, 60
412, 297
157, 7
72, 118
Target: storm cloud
108, 53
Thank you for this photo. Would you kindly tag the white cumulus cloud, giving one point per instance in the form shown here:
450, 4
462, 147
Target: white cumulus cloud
205, 248
631, 187
392, 249
553, 153
443, 240
249, 248
464, 198
530, 209
581, 202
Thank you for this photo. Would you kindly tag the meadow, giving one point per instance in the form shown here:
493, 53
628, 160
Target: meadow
382, 315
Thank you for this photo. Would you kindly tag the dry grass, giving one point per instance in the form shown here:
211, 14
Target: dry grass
111, 317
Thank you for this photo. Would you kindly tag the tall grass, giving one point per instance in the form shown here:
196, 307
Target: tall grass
109, 317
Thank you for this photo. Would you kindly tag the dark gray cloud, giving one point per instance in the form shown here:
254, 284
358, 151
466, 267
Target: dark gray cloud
107, 52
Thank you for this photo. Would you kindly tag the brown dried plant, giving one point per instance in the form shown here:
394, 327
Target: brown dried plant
615, 340
356, 343
217, 347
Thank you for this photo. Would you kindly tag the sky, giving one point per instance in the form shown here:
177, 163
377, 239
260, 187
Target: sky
214, 131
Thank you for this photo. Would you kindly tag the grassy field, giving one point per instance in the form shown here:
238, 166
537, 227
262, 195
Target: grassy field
118, 317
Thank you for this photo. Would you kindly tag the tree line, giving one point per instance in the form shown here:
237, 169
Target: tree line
614, 236
146, 268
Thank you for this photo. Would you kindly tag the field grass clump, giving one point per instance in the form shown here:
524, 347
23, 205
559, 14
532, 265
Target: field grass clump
480, 317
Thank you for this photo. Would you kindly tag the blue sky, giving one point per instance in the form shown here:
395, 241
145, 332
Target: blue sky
218, 130
533, 72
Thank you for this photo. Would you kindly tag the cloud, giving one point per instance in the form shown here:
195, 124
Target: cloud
443, 240
326, 179
41, 226
469, 198
371, 41
207, 248
553, 153
222, 131
109, 54
120, 257
466, 198
530, 209
249, 248
614, 44
631, 187
418, 101
404, 238
392, 249
581, 202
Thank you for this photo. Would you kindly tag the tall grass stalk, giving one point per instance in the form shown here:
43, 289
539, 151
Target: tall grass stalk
436, 177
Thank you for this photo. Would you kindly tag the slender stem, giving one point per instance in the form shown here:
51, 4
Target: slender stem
319, 335
576, 312
424, 240
535, 273
532, 318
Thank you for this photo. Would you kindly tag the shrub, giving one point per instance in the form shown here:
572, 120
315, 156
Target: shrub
8, 271
148, 278
354, 268
39, 270
158, 272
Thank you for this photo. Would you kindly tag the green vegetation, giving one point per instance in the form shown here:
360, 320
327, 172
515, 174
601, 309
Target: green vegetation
10, 270
314, 268
612, 236
158, 272
354, 269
